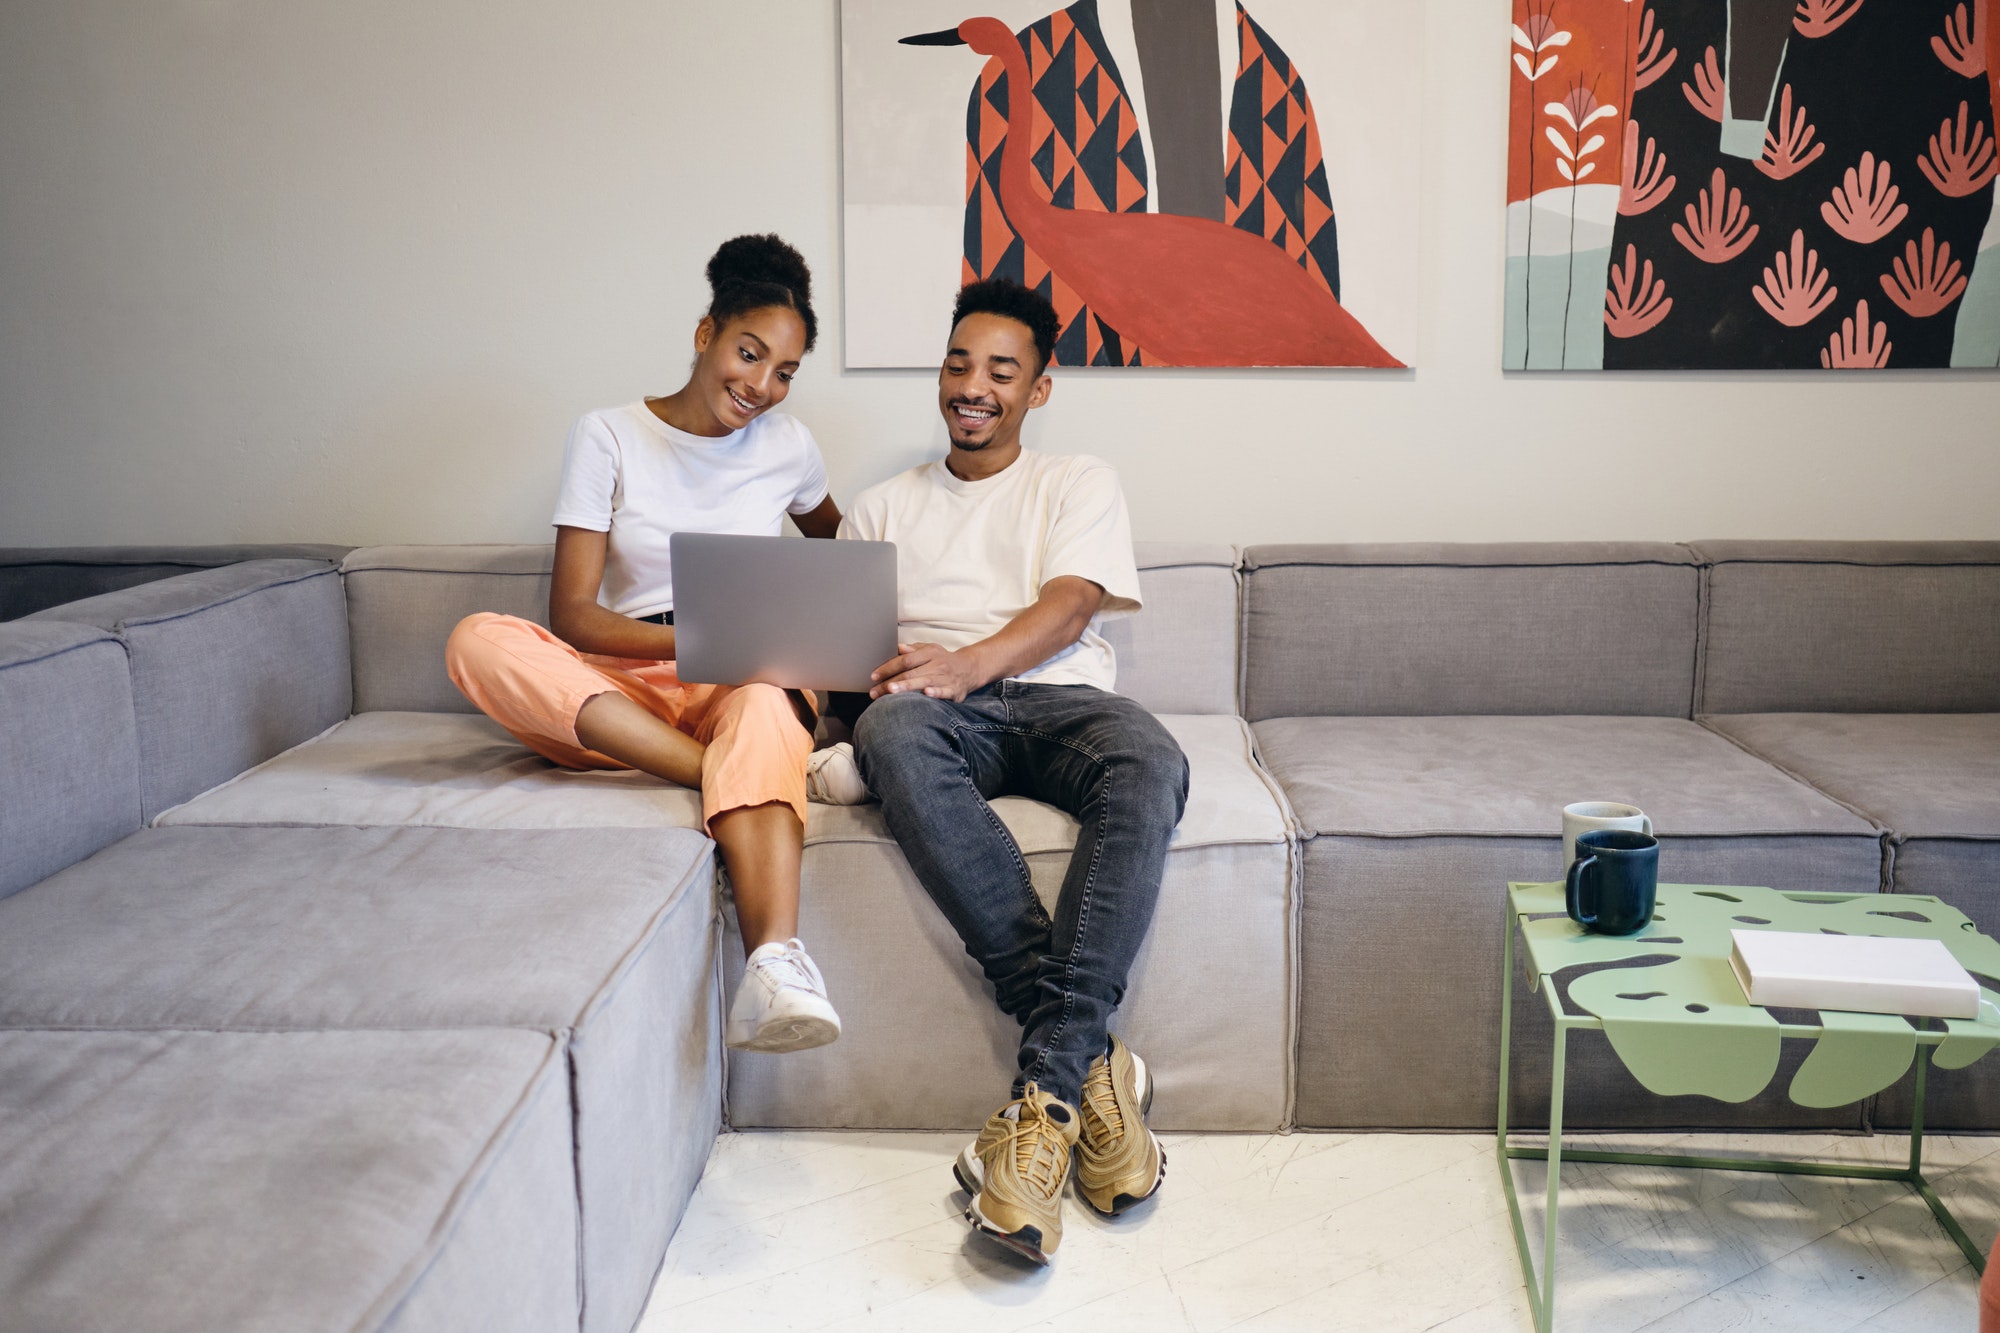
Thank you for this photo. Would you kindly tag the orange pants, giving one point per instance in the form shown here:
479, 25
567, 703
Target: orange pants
534, 684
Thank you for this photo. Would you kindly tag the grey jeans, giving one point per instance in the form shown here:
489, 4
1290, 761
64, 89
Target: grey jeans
935, 764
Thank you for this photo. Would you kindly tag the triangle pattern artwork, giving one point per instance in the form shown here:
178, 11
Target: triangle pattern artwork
1277, 185
1087, 156
1156, 170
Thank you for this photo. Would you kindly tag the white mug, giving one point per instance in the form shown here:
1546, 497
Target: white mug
1589, 816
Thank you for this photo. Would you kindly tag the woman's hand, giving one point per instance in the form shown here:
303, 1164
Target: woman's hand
575, 615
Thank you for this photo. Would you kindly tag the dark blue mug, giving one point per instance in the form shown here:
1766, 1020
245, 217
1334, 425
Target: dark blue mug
1613, 881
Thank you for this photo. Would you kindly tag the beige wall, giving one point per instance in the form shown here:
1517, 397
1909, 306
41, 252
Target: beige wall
344, 270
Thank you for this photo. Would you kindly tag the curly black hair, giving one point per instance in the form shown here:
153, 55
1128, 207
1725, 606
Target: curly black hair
754, 272
998, 296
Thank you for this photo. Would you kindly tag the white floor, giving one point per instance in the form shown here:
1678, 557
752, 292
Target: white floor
1376, 1232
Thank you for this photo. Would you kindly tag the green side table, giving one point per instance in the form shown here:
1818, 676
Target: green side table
1682, 1026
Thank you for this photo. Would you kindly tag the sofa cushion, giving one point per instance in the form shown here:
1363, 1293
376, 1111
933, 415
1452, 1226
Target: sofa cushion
1209, 1002
446, 770
1934, 780
1410, 776
402, 602
1920, 775
459, 771
70, 783
1225, 913
606, 934
229, 666
1419, 629
1851, 627
33, 578
317, 1182
1415, 827
1176, 656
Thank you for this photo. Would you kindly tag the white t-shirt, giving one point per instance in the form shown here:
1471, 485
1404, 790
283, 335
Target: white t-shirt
972, 555
630, 474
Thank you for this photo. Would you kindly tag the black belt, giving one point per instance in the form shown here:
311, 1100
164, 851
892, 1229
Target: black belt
657, 618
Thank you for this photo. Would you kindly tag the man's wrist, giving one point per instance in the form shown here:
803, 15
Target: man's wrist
977, 662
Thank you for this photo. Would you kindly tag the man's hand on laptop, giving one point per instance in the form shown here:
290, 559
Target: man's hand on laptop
926, 668
1058, 618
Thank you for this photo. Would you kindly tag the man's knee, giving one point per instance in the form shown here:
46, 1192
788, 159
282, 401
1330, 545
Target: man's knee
899, 719
1148, 757
898, 730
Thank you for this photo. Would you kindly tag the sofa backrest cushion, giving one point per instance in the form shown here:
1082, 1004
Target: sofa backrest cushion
34, 578
402, 602
1178, 654
1851, 627
1422, 629
70, 780
229, 667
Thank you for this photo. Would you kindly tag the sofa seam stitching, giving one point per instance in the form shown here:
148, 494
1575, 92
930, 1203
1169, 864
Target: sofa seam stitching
406, 1281
107, 636
170, 618
1877, 825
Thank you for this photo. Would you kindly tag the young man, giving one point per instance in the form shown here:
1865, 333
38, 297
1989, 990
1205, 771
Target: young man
1007, 561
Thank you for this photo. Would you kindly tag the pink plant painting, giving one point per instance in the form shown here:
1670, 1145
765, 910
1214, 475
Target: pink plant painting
1930, 282
1645, 182
1795, 291
1817, 18
1720, 228
1649, 65
1960, 160
1705, 94
1863, 207
1754, 184
1962, 45
1790, 149
1629, 312
1859, 345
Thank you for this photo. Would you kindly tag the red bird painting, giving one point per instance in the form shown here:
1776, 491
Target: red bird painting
1188, 290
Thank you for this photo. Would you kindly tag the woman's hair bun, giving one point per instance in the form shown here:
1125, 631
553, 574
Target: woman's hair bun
760, 258
751, 272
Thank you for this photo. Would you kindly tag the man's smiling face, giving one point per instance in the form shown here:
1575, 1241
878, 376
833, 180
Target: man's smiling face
991, 378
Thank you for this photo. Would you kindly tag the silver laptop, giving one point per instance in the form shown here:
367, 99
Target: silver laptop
817, 615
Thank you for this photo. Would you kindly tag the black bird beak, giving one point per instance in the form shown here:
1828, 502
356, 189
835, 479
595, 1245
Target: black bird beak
949, 37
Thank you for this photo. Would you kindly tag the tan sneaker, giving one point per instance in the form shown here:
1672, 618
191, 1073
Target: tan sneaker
1015, 1171
1118, 1161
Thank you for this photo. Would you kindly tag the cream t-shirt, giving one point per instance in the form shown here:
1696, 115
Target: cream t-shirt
631, 475
972, 555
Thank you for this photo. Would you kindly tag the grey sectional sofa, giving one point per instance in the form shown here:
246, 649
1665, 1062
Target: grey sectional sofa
316, 983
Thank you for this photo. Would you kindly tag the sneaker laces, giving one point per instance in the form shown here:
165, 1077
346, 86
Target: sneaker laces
815, 778
791, 969
1100, 1098
1036, 1146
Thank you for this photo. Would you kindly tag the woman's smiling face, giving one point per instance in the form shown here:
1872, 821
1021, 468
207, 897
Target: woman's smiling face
745, 367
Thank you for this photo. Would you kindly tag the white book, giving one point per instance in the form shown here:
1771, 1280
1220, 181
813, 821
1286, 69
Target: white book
1859, 973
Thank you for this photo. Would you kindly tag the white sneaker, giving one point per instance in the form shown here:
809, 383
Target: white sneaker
781, 1003
833, 778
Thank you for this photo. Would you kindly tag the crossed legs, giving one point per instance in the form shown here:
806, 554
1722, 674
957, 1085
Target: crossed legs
743, 747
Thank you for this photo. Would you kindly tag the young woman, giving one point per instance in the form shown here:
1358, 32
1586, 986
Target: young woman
600, 691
